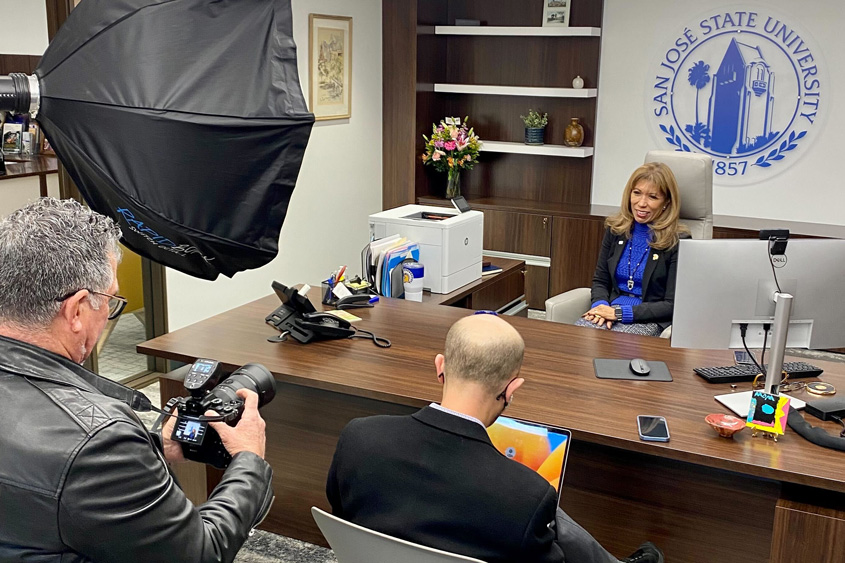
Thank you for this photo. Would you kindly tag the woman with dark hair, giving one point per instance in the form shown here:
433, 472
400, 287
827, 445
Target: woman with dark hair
634, 283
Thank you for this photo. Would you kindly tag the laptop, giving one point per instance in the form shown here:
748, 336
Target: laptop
543, 448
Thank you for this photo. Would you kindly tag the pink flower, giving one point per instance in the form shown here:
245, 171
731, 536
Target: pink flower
450, 146
453, 132
438, 144
437, 155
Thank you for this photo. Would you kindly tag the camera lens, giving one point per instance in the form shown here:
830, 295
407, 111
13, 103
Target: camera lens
254, 377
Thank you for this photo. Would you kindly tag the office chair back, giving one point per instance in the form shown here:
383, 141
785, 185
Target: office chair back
694, 173
355, 544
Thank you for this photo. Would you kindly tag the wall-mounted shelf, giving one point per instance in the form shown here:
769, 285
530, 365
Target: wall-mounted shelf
517, 31
516, 91
544, 150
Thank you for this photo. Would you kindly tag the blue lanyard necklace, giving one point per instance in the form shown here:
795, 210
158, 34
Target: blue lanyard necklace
630, 271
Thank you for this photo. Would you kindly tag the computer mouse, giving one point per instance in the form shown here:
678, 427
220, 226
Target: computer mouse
639, 367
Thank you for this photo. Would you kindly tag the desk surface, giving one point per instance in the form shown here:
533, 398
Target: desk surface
560, 388
18, 166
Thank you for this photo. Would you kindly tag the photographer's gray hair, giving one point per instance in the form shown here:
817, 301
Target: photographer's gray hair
50, 248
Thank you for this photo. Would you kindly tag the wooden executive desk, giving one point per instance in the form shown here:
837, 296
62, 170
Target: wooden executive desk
694, 496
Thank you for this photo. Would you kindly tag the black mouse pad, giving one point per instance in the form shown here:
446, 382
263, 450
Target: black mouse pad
618, 369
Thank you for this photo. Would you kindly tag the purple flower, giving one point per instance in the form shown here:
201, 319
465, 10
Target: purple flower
438, 144
450, 146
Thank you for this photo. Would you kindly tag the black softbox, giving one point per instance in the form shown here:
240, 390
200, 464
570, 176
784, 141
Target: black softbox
184, 120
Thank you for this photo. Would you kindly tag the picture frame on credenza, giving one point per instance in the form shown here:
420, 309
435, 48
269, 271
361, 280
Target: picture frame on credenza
330, 66
556, 13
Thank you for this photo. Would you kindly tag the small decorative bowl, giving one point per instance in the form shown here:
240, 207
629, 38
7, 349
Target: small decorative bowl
725, 424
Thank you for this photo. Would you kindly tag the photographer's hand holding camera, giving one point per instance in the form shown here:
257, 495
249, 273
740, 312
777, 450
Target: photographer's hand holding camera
246, 436
81, 479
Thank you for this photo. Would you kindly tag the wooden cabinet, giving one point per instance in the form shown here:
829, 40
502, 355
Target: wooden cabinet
575, 249
520, 233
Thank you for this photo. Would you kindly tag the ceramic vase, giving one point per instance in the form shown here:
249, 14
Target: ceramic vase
453, 187
534, 135
577, 82
573, 136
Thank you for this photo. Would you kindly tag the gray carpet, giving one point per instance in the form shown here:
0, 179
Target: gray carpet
264, 547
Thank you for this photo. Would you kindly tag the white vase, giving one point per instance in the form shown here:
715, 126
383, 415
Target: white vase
578, 82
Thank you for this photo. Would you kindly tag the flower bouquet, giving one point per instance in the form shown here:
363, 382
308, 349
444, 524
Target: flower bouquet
452, 147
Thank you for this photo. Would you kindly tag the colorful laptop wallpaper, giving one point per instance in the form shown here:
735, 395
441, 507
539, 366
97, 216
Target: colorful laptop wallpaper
540, 448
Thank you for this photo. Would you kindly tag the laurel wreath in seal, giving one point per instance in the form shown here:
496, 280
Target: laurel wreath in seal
777, 153
764, 161
674, 139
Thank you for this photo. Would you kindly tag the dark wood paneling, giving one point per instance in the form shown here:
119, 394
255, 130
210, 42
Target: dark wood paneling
727, 232
523, 61
399, 59
536, 286
679, 506
575, 248
521, 176
812, 531
496, 118
57, 12
522, 233
18, 63
506, 290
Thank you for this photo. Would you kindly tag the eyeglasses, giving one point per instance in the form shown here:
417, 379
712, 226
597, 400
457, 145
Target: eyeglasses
116, 302
760, 382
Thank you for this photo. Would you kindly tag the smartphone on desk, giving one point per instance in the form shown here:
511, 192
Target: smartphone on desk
652, 428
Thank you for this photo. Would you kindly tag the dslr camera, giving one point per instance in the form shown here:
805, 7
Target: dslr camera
199, 441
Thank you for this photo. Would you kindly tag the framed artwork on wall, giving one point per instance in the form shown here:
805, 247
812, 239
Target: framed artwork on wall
556, 13
330, 66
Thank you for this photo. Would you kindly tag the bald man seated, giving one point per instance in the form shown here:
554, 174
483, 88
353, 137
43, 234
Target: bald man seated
435, 478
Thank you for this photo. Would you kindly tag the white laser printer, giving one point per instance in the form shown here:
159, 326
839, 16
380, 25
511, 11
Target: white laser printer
450, 247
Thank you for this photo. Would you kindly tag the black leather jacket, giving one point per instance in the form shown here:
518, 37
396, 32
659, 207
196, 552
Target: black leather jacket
81, 479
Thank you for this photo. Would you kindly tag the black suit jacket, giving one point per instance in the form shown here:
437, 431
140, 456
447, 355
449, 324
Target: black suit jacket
435, 479
658, 279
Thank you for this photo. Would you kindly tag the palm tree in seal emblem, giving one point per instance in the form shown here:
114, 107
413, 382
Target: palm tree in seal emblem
698, 77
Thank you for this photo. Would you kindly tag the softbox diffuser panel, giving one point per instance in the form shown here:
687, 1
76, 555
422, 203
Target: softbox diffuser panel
184, 120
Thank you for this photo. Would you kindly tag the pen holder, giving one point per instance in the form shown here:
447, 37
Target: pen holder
326, 291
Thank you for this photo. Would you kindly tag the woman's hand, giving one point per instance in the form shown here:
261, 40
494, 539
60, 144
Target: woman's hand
601, 315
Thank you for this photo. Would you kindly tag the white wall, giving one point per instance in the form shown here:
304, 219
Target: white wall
24, 29
339, 183
634, 40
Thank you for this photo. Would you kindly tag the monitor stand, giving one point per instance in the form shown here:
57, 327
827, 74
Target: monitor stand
780, 327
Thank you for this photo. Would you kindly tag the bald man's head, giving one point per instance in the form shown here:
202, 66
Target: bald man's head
484, 349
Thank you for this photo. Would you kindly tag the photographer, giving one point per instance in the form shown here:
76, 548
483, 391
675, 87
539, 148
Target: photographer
81, 479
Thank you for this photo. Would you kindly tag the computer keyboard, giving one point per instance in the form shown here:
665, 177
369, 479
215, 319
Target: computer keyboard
747, 372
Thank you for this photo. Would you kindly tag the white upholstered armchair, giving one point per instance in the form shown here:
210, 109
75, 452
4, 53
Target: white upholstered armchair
694, 173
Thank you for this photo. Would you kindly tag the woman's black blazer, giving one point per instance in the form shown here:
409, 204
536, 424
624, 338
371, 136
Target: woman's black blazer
658, 279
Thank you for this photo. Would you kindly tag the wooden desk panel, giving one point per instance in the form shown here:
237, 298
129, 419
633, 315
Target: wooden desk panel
678, 494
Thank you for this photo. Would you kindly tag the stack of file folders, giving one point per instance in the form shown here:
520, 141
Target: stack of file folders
382, 262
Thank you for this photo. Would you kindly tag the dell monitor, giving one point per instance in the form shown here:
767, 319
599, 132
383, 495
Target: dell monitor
722, 284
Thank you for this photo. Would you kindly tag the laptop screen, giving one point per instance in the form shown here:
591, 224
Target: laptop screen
542, 448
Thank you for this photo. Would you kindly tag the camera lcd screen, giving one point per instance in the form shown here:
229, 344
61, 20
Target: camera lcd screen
189, 431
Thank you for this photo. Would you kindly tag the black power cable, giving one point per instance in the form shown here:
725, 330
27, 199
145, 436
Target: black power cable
743, 328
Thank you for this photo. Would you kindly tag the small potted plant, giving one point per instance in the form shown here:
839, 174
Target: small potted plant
535, 127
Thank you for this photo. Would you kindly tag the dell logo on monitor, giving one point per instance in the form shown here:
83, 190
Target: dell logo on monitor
779, 261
